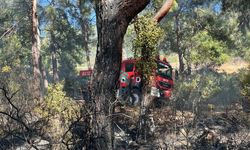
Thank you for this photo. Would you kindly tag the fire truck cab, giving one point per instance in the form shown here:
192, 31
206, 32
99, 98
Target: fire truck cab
130, 83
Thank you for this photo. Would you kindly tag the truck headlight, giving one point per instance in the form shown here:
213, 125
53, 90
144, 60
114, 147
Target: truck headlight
123, 79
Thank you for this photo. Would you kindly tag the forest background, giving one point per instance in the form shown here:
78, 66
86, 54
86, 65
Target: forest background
207, 41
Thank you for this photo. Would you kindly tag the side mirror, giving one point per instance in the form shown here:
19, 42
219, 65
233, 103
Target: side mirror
156, 71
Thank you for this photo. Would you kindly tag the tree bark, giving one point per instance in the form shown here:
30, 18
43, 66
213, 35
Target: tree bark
54, 58
146, 56
85, 32
180, 53
147, 99
44, 82
36, 53
113, 18
85, 29
164, 10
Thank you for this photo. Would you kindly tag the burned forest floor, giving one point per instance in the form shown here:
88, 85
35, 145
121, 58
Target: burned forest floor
168, 128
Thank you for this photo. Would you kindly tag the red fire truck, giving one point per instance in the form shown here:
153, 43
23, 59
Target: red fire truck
130, 83
84, 76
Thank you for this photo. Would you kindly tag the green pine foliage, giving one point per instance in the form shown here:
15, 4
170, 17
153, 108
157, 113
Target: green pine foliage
199, 87
207, 50
145, 45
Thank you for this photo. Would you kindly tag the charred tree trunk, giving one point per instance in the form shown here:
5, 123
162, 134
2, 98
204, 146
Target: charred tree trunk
36, 53
113, 18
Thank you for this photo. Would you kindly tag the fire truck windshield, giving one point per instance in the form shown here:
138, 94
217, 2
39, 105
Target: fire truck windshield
129, 67
164, 70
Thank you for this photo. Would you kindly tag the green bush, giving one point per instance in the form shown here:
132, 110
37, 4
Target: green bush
145, 45
56, 103
197, 89
207, 50
60, 111
245, 83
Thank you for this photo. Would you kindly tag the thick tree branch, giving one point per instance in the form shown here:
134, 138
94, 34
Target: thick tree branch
164, 10
15, 119
129, 8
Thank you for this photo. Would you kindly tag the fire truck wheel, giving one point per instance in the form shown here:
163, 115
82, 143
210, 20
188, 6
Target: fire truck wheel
135, 97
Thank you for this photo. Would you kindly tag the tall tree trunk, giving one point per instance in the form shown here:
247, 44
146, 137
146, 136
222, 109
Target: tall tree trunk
36, 53
180, 52
45, 82
146, 98
146, 56
86, 41
189, 68
113, 18
85, 33
54, 58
